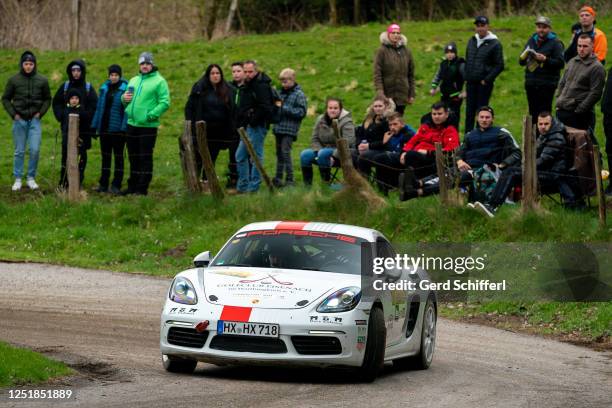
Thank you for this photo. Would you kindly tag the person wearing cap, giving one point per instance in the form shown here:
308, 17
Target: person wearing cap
110, 122
449, 80
486, 144
581, 87
586, 15
26, 99
394, 68
146, 99
484, 61
543, 62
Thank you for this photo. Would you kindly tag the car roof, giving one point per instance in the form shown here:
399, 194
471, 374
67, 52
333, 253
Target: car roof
352, 230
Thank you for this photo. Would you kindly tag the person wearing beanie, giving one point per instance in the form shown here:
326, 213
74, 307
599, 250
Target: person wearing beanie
394, 68
586, 25
484, 61
543, 62
74, 105
110, 123
449, 80
146, 99
26, 99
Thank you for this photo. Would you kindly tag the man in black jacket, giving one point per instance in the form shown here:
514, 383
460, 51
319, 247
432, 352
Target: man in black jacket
253, 112
26, 99
484, 62
543, 61
551, 167
77, 78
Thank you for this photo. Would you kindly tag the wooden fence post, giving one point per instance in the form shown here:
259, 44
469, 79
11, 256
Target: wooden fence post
352, 179
442, 180
75, 12
601, 198
254, 158
72, 165
187, 156
209, 166
530, 177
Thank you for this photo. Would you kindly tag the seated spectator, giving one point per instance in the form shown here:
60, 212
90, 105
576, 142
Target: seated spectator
418, 156
551, 167
370, 134
323, 142
393, 140
486, 144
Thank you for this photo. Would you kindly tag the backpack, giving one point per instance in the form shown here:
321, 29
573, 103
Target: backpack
484, 182
87, 87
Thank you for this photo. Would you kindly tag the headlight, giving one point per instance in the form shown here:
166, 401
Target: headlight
182, 291
342, 300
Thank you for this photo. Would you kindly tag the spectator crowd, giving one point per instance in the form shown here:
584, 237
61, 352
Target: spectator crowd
486, 160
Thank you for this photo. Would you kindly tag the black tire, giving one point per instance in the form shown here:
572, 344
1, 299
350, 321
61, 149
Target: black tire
422, 360
178, 365
374, 357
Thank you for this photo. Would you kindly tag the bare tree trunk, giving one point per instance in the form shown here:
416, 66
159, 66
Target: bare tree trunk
356, 12
333, 13
74, 26
202, 16
430, 9
491, 8
212, 18
230, 16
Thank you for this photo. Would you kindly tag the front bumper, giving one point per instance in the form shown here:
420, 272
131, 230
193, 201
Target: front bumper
330, 340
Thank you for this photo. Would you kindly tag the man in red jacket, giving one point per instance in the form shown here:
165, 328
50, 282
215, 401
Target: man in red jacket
418, 156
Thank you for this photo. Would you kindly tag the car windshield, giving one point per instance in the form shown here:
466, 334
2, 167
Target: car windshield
289, 249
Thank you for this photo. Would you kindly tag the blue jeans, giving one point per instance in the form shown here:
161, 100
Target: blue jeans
26, 132
249, 178
321, 158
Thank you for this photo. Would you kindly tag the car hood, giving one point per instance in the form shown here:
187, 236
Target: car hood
270, 288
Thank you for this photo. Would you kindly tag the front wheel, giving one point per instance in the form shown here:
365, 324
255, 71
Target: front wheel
178, 365
374, 357
422, 360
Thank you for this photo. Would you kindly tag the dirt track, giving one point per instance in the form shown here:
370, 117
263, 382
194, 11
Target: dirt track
106, 325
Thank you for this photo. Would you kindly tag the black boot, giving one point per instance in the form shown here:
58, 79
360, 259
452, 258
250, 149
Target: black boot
325, 174
307, 175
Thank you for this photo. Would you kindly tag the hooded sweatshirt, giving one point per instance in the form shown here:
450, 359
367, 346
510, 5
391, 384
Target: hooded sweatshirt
484, 58
89, 100
26, 94
150, 100
394, 70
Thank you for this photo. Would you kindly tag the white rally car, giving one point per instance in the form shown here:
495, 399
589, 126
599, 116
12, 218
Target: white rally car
291, 293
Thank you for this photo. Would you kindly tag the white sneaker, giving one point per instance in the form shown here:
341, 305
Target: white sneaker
32, 183
470, 205
485, 209
16, 185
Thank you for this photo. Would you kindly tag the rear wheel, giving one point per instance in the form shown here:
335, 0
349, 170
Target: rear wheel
374, 357
178, 365
422, 360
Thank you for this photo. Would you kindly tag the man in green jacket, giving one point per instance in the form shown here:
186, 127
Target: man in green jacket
146, 99
26, 99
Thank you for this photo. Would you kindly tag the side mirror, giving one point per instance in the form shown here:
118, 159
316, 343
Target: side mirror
202, 259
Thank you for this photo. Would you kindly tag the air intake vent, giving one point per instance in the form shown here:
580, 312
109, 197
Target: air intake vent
250, 344
186, 337
316, 345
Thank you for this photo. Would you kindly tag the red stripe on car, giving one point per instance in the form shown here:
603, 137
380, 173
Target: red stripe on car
236, 313
291, 225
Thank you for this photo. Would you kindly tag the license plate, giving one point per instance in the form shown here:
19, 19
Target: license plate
248, 329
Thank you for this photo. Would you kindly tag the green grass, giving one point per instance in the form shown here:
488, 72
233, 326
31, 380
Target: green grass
160, 234
20, 366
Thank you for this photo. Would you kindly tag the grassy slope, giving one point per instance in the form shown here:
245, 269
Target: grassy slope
161, 233
19, 366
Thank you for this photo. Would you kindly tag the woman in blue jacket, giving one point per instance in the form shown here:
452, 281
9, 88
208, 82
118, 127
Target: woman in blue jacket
110, 122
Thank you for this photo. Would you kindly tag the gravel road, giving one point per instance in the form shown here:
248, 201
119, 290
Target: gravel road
106, 325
